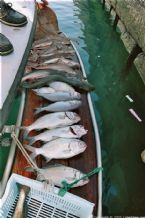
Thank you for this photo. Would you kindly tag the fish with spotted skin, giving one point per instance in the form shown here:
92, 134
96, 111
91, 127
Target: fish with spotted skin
53, 120
61, 148
69, 79
60, 106
75, 131
57, 173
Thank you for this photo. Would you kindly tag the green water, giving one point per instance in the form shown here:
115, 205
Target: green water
4, 150
122, 136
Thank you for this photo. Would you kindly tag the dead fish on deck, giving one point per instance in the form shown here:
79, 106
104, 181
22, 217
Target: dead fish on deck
61, 96
71, 80
39, 74
20, 210
44, 90
60, 106
61, 148
57, 173
62, 60
53, 120
75, 131
58, 67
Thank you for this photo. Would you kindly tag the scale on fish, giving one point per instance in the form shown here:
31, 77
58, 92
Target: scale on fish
61, 148
75, 131
60, 106
53, 120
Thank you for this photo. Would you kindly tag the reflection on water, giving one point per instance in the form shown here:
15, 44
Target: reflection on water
122, 136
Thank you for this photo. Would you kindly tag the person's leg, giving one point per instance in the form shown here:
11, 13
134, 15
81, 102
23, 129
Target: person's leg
11, 17
5, 45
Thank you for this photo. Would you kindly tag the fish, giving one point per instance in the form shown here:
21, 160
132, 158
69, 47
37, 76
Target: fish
60, 148
75, 131
39, 74
60, 96
71, 80
63, 60
20, 210
57, 173
53, 120
58, 67
60, 106
61, 86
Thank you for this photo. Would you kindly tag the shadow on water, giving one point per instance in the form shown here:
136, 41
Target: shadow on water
122, 136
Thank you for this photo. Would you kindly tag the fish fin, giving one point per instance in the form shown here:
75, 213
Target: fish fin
33, 150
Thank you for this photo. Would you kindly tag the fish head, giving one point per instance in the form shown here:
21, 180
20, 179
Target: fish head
73, 116
77, 146
76, 95
79, 175
79, 130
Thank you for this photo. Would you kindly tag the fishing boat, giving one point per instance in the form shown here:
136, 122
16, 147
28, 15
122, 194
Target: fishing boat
91, 158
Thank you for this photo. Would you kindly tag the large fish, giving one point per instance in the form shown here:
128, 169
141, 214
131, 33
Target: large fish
53, 120
63, 60
57, 54
75, 131
44, 90
61, 96
57, 173
39, 74
71, 80
60, 106
61, 148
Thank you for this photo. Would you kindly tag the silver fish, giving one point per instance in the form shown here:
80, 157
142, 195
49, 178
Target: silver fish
60, 106
63, 60
61, 148
53, 120
57, 173
41, 45
60, 96
61, 86
75, 131
57, 54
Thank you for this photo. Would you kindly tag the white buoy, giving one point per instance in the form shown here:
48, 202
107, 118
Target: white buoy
135, 114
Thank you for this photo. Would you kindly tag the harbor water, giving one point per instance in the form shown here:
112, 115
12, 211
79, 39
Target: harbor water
122, 135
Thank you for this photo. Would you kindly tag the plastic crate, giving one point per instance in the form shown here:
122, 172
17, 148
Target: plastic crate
42, 203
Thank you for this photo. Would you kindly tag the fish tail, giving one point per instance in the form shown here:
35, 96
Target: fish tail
37, 110
33, 150
26, 132
31, 140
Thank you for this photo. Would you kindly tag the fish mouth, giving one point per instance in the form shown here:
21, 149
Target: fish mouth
78, 130
72, 116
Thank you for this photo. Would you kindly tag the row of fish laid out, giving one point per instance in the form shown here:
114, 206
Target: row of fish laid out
53, 75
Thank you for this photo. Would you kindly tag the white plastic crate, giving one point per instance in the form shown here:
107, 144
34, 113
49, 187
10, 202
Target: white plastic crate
43, 204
